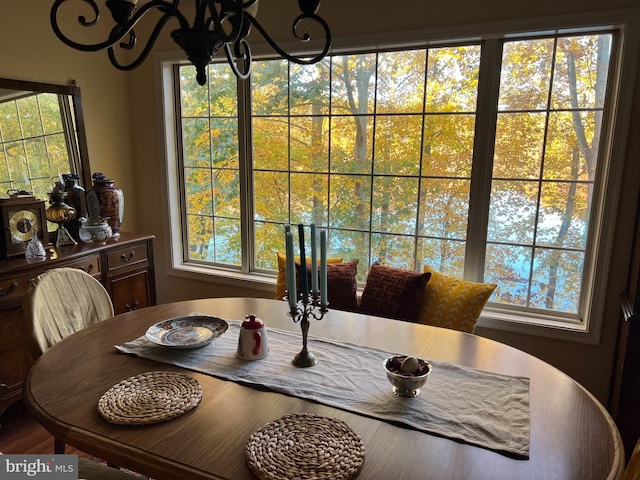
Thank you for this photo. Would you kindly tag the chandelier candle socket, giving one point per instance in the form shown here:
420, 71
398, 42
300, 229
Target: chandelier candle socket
307, 304
218, 24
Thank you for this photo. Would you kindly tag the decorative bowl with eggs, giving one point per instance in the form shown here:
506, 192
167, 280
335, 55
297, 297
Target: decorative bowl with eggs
407, 374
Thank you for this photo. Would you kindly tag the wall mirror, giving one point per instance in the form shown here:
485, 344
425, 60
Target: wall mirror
42, 136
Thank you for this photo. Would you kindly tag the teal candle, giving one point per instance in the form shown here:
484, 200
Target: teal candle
323, 267
304, 283
291, 271
314, 261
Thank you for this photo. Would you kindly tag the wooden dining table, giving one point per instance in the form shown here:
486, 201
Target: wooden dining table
571, 435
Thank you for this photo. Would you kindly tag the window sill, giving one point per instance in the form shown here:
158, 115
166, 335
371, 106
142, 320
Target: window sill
541, 326
253, 281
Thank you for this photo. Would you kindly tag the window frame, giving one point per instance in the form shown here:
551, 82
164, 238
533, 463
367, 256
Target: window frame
617, 114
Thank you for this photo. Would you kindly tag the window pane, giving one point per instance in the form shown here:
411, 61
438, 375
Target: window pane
581, 71
226, 242
198, 191
350, 202
17, 158
351, 144
269, 240
271, 199
519, 155
50, 113
37, 158
448, 145
352, 84
193, 98
446, 256
222, 91
509, 267
393, 250
557, 280
566, 157
270, 88
564, 215
195, 140
30, 117
350, 245
226, 198
271, 143
400, 82
310, 82
58, 155
444, 208
398, 141
525, 75
200, 237
308, 194
9, 124
452, 79
310, 144
512, 214
224, 142
395, 202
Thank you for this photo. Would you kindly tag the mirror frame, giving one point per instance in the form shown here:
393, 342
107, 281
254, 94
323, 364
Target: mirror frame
73, 91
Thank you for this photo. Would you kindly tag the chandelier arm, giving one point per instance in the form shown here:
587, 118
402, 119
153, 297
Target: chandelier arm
145, 51
246, 58
304, 38
217, 18
119, 31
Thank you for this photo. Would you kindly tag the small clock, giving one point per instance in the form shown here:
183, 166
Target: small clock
21, 215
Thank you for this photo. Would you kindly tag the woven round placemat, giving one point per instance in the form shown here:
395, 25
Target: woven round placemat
150, 397
305, 445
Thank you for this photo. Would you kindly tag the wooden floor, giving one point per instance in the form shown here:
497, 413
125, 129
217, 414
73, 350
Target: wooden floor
20, 433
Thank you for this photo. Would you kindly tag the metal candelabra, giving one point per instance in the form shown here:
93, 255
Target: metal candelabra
308, 307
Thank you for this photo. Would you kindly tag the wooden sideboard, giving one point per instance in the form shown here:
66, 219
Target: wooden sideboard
123, 265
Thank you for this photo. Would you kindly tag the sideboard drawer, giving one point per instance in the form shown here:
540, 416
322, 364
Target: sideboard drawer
13, 290
89, 265
125, 257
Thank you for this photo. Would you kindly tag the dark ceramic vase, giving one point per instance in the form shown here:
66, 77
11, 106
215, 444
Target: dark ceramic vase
105, 201
76, 197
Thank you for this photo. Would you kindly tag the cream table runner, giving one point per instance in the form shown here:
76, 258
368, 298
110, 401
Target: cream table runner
480, 408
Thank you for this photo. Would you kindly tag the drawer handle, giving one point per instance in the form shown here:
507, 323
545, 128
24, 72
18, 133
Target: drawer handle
12, 287
132, 307
87, 270
128, 258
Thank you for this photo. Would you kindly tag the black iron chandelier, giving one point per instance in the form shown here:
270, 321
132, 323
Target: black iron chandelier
217, 24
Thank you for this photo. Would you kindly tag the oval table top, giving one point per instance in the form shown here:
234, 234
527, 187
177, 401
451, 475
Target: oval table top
571, 435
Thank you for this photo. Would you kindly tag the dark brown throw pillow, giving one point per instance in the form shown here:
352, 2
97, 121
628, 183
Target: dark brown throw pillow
393, 293
342, 285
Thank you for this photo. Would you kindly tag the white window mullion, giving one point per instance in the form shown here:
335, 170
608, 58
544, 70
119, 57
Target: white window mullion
483, 147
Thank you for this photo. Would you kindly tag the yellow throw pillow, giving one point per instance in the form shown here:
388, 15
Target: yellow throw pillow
281, 282
453, 303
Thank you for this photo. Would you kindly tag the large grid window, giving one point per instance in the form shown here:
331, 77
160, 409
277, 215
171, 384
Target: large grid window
35, 130
481, 160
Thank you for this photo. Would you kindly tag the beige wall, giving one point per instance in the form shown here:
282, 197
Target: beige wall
122, 121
